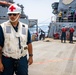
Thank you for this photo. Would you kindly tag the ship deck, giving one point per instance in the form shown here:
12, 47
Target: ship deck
53, 58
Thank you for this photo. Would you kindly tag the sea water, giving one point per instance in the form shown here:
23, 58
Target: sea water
33, 31
42, 27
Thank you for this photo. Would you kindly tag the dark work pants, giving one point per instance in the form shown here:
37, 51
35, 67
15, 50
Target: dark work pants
20, 66
71, 38
63, 37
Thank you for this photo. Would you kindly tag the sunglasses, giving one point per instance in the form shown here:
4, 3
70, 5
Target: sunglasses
12, 14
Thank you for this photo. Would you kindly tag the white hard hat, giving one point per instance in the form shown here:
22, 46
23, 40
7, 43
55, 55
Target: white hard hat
13, 8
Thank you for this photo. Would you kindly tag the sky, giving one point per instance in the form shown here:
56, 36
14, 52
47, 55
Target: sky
38, 9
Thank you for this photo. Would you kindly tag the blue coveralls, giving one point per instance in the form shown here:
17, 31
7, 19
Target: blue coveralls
63, 36
19, 66
71, 30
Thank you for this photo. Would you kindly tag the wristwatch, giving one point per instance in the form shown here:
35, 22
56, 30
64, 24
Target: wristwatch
31, 55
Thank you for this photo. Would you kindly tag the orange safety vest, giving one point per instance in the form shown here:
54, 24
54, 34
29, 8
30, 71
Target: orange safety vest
63, 29
72, 30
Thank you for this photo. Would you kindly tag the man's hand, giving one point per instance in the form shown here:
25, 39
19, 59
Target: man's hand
30, 60
1, 67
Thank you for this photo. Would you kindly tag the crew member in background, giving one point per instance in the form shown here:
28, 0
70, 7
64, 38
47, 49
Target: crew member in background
60, 16
63, 34
15, 42
71, 30
42, 35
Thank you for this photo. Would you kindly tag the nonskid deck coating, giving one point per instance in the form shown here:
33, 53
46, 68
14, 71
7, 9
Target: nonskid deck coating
53, 58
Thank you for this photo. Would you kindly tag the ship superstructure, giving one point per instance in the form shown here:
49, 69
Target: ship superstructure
4, 4
65, 15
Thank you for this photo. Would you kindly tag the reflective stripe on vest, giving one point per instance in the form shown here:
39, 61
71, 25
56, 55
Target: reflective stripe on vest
15, 42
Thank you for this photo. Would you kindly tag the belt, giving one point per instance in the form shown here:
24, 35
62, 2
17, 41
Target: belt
14, 58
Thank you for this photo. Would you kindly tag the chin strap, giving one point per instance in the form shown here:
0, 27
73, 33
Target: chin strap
14, 20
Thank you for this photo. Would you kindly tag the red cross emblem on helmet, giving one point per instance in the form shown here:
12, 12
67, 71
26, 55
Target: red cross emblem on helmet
12, 8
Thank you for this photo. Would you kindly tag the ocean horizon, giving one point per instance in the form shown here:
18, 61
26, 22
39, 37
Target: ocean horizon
42, 27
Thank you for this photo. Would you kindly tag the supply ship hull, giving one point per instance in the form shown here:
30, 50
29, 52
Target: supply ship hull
65, 15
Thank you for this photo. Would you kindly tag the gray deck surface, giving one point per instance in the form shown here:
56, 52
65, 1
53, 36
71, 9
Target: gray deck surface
53, 58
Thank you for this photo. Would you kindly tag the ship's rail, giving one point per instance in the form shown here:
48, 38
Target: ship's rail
66, 19
55, 27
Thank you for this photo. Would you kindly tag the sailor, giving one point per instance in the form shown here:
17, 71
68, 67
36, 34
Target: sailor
60, 16
63, 34
15, 44
71, 30
42, 35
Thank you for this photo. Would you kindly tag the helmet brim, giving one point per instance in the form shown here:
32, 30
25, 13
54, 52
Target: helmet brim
13, 13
